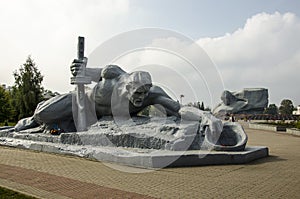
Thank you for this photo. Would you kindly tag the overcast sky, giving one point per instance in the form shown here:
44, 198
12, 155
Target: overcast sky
252, 43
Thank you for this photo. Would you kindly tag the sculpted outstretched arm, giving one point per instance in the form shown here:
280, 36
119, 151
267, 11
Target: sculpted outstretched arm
159, 96
171, 107
95, 73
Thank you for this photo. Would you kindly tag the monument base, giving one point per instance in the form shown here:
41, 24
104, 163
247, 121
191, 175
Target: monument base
146, 158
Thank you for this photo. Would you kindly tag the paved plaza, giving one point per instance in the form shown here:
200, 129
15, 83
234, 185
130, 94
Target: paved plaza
45, 175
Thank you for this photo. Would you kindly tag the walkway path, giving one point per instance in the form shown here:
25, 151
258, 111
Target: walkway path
55, 176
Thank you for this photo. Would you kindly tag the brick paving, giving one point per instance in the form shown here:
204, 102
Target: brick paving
55, 176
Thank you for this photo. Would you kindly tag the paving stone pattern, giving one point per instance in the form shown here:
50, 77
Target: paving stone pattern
55, 176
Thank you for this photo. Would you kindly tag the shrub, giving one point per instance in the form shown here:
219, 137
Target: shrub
297, 125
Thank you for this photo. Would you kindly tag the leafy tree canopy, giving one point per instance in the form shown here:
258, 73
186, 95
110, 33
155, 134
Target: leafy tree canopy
27, 90
5, 106
272, 110
286, 107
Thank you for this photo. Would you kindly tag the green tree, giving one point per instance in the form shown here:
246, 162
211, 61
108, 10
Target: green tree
5, 105
27, 90
286, 107
202, 106
272, 110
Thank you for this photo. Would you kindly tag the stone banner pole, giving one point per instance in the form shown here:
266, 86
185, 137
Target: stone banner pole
80, 80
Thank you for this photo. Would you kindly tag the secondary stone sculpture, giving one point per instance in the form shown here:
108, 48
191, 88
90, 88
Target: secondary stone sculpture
248, 101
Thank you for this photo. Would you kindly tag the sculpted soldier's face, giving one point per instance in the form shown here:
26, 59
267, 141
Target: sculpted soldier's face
137, 95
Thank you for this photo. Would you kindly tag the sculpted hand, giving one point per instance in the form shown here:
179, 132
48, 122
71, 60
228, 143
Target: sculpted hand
77, 66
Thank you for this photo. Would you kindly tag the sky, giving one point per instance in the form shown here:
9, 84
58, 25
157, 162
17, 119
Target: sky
247, 44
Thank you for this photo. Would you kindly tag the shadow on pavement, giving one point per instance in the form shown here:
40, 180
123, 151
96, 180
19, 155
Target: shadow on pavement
270, 158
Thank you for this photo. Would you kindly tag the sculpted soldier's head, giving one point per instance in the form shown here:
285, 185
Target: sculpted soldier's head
138, 86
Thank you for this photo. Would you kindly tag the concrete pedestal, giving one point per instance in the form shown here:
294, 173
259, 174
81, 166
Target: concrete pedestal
147, 158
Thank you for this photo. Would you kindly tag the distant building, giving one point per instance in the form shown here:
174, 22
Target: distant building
297, 112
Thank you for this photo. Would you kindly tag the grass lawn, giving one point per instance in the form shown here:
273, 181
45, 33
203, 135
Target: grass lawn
6, 193
294, 124
9, 124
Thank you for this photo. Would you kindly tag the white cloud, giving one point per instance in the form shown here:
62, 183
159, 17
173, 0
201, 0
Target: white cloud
264, 53
48, 31
177, 64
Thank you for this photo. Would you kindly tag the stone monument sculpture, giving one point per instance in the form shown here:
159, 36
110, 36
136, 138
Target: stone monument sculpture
120, 96
248, 101
129, 92
104, 123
